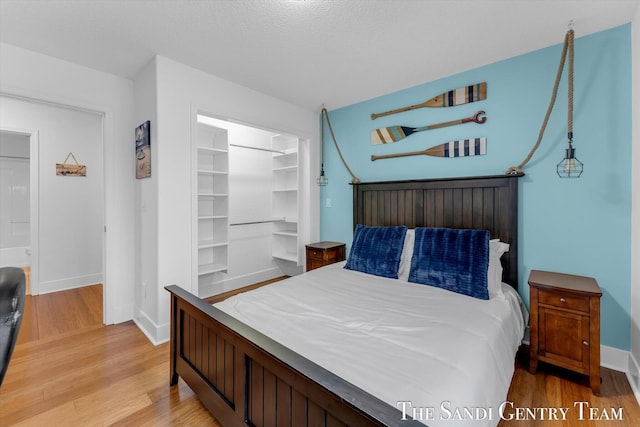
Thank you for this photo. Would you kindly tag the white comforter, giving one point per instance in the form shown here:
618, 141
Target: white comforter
451, 357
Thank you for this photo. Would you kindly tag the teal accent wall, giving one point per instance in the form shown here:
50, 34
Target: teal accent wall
577, 226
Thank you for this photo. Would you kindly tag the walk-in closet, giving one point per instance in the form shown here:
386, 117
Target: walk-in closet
247, 205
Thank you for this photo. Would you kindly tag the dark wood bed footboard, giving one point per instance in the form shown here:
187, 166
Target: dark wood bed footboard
246, 379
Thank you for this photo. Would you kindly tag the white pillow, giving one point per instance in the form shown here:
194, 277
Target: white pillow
407, 254
494, 272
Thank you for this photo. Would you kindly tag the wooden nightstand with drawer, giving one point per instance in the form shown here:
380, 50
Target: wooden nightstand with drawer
324, 253
565, 323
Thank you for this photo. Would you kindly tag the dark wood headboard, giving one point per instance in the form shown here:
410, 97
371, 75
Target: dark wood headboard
488, 203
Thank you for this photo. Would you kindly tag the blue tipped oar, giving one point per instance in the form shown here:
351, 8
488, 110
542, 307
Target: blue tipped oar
396, 133
462, 95
459, 148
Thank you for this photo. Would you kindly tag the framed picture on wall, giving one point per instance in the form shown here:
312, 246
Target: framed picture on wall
143, 150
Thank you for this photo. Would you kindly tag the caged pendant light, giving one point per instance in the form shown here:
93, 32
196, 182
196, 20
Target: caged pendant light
322, 179
570, 166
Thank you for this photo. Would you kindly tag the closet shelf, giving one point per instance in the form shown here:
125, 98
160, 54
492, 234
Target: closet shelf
264, 221
211, 172
212, 195
211, 211
286, 233
286, 169
287, 152
210, 269
286, 256
211, 244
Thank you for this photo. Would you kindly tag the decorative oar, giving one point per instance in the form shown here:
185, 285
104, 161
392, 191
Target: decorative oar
459, 148
462, 95
396, 133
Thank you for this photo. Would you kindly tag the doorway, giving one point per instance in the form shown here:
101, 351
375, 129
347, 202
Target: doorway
66, 221
15, 212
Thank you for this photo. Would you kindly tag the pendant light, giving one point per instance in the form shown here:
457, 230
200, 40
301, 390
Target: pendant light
322, 179
570, 166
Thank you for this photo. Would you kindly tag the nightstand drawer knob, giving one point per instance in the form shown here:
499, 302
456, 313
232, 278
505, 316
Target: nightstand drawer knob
563, 300
585, 343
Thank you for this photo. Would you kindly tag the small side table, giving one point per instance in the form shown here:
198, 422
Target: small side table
324, 253
565, 323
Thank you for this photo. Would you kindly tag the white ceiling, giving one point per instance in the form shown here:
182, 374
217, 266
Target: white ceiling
308, 52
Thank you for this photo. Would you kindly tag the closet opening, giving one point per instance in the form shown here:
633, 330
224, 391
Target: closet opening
247, 203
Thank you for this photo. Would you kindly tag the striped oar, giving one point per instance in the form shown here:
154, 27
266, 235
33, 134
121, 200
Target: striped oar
459, 148
396, 133
462, 95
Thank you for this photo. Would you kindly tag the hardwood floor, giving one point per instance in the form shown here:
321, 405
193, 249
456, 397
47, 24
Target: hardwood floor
70, 370
48, 315
554, 387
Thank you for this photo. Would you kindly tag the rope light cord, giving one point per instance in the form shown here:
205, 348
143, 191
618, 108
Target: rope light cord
570, 86
568, 47
354, 179
322, 136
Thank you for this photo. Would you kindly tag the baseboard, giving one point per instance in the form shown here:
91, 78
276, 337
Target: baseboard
69, 283
622, 361
157, 334
240, 282
614, 358
633, 375
118, 314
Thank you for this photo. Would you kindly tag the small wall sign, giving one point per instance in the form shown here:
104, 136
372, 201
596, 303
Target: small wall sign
70, 169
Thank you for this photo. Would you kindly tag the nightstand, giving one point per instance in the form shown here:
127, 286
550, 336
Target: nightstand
324, 253
565, 323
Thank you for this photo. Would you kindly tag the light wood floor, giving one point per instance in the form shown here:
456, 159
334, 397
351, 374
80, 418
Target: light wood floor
70, 370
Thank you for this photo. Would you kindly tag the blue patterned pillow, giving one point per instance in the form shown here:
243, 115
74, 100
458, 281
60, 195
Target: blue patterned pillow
452, 259
377, 250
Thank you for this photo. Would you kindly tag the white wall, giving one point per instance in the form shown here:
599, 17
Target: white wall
181, 90
70, 207
146, 206
32, 75
634, 363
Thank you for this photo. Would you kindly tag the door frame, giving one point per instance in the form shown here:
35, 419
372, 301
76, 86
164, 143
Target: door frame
107, 309
34, 188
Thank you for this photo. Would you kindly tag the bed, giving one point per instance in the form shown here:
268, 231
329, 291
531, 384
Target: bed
248, 374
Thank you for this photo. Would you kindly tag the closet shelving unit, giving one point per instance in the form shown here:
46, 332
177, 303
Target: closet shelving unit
212, 200
285, 200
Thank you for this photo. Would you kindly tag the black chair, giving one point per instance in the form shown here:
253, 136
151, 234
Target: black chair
12, 297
